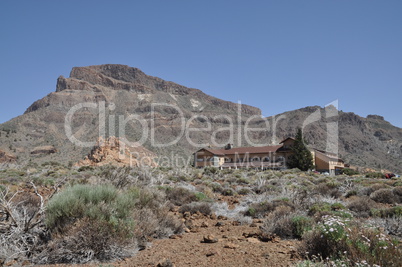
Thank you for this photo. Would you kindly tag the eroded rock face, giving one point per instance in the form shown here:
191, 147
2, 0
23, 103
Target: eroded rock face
375, 117
6, 157
113, 151
121, 77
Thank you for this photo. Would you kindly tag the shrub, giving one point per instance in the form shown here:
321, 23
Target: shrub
244, 191
349, 172
118, 176
362, 206
337, 206
385, 196
210, 170
260, 210
279, 223
228, 192
398, 193
328, 189
389, 212
103, 223
285, 223
374, 175
97, 203
319, 208
351, 193
203, 208
200, 196
393, 226
85, 168
301, 224
336, 239
180, 196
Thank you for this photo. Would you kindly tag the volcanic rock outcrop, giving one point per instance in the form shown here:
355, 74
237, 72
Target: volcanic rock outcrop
113, 151
6, 157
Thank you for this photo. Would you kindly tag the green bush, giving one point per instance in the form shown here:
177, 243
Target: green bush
349, 172
337, 206
301, 224
374, 175
85, 168
200, 196
336, 239
351, 193
387, 212
98, 203
319, 207
210, 170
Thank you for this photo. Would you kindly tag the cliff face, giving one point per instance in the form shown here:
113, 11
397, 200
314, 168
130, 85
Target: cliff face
97, 79
125, 102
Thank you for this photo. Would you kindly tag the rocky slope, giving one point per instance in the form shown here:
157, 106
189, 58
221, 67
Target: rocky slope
366, 142
159, 110
125, 102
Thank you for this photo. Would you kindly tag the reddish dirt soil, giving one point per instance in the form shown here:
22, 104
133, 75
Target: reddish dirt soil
237, 245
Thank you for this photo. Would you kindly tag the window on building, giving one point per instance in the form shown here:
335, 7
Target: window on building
280, 159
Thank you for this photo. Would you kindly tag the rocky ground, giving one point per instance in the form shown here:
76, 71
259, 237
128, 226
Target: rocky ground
213, 241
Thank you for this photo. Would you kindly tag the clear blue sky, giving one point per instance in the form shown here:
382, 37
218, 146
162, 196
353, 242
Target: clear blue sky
275, 55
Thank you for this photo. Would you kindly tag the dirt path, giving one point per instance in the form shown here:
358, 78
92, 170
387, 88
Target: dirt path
236, 245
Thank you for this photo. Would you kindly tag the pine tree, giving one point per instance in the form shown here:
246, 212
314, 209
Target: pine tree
301, 157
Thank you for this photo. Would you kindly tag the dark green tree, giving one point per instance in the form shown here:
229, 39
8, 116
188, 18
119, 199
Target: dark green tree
301, 158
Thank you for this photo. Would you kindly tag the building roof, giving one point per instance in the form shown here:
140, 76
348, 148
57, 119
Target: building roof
328, 155
289, 138
252, 164
242, 150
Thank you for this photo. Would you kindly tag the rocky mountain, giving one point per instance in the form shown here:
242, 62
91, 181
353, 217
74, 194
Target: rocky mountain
366, 142
174, 121
117, 100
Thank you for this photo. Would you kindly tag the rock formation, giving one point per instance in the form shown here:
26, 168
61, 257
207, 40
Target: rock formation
6, 157
113, 151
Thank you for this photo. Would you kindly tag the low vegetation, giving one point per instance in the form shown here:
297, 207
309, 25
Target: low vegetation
57, 214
